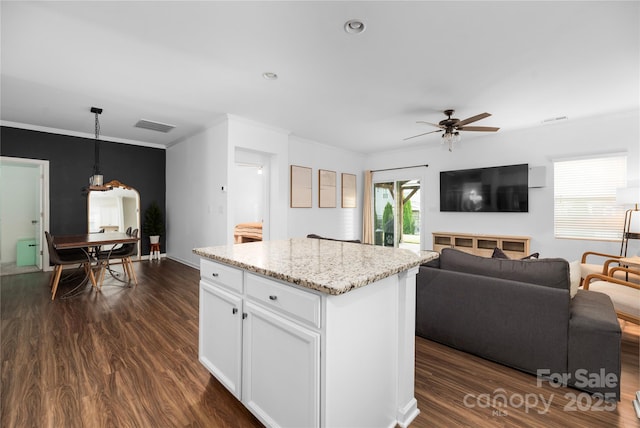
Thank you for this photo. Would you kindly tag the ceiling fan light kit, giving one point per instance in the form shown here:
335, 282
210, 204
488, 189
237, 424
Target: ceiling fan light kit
452, 126
449, 138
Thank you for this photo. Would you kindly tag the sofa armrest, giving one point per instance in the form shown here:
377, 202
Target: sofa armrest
521, 325
594, 344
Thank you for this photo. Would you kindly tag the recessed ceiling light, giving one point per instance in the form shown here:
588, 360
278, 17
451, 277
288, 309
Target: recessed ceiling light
270, 76
354, 26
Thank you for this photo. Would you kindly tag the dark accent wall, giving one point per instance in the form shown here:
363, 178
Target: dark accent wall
71, 162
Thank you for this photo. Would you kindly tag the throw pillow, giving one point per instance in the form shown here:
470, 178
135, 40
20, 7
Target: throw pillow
574, 277
499, 254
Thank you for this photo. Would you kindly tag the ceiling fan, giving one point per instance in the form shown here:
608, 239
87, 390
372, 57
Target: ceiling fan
451, 126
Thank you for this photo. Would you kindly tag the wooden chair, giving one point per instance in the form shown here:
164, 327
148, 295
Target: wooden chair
625, 295
607, 261
60, 258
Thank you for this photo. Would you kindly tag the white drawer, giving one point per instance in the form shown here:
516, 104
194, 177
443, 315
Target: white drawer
224, 275
299, 304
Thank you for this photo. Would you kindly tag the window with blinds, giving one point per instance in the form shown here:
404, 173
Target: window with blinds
585, 197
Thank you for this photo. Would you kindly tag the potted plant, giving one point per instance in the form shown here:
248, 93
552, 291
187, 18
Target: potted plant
153, 225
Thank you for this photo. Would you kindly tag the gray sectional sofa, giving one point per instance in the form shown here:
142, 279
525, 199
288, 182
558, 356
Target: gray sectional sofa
520, 313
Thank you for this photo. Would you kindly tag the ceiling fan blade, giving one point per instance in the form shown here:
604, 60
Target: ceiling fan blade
420, 135
429, 123
479, 128
473, 119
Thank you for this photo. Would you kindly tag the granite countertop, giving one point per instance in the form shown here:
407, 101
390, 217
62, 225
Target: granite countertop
332, 267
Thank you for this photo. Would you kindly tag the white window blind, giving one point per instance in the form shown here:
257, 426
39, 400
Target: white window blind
585, 197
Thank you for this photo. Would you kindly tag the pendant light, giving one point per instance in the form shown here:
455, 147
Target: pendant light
96, 181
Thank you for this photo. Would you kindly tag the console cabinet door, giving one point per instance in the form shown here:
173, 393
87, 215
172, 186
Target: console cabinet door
281, 369
220, 335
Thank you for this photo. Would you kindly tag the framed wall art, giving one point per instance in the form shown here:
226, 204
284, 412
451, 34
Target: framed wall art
300, 192
327, 189
348, 190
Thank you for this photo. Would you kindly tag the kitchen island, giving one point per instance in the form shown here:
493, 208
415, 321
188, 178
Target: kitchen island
309, 332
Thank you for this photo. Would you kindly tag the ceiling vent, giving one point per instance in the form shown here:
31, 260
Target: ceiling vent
554, 119
154, 126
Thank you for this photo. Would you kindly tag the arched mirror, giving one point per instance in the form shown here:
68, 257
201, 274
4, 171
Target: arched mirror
114, 209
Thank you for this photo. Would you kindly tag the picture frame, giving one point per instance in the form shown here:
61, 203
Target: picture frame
300, 194
349, 190
327, 188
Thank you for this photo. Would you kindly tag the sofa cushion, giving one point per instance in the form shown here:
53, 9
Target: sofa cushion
550, 272
518, 324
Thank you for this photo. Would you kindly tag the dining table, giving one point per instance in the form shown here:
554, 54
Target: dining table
90, 242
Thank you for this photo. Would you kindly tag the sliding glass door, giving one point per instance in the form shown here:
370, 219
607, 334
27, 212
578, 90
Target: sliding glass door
396, 213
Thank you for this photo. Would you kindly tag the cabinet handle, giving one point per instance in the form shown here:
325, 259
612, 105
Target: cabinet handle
234, 311
244, 315
272, 297
215, 274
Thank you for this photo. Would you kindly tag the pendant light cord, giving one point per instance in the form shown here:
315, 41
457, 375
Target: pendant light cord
96, 165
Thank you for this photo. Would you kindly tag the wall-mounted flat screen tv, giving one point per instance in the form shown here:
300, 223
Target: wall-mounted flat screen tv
493, 189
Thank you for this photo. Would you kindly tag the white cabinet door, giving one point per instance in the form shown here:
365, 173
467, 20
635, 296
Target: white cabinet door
220, 335
281, 369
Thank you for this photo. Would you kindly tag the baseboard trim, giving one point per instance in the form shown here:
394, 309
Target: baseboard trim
408, 413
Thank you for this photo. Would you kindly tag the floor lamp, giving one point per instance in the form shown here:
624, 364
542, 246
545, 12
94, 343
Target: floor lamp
628, 196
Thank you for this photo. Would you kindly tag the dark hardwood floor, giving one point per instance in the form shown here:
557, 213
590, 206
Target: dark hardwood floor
128, 357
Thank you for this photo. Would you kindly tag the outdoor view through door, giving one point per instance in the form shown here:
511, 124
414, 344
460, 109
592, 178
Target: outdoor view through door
397, 214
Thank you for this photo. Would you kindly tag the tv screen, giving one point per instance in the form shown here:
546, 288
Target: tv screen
494, 189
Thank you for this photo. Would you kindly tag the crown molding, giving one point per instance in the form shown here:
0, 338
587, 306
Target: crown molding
79, 134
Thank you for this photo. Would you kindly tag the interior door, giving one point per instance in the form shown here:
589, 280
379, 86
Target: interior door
24, 207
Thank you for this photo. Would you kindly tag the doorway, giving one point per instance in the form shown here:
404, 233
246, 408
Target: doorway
24, 214
396, 213
250, 202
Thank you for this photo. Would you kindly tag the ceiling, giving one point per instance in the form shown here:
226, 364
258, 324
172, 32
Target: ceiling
188, 63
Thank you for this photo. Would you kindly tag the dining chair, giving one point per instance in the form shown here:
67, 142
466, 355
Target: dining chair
124, 254
60, 258
625, 295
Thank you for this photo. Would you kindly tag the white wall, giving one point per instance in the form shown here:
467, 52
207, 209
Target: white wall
196, 205
201, 192
200, 214
339, 223
536, 146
